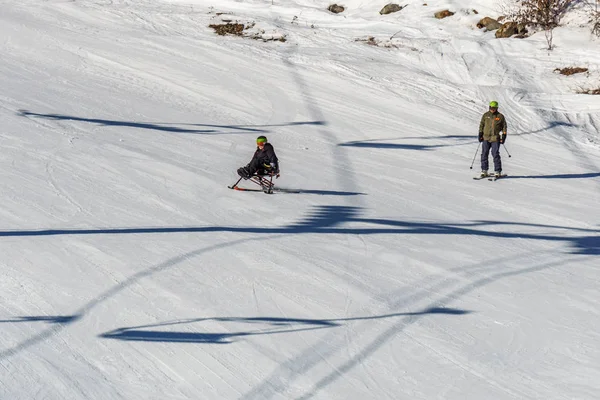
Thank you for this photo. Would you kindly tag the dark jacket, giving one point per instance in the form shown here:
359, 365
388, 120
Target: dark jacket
492, 125
266, 156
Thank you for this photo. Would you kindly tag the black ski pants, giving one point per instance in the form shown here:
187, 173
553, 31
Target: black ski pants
485, 151
257, 165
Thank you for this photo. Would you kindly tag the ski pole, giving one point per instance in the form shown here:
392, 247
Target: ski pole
506, 150
475, 156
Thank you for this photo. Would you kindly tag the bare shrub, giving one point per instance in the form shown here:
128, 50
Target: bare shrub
595, 20
543, 14
571, 70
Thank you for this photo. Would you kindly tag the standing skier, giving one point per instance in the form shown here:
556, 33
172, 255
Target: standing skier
264, 160
492, 132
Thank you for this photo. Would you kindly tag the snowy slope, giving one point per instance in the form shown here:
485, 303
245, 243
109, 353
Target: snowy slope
130, 271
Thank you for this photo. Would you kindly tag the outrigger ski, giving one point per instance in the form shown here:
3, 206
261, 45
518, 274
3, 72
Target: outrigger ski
246, 189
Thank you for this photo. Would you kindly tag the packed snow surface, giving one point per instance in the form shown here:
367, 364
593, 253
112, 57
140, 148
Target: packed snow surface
130, 270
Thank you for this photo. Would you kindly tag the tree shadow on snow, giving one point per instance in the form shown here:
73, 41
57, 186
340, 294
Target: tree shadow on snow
347, 220
318, 192
57, 319
459, 137
551, 125
269, 326
207, 129
387, 144
322, 220
398, 146
557, 176
58, 322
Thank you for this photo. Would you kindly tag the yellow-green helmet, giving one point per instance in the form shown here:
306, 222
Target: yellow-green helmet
493, 104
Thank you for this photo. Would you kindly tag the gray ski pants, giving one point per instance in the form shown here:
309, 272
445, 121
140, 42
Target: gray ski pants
485, 151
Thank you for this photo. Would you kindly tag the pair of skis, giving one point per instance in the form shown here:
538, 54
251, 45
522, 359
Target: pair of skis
491, 178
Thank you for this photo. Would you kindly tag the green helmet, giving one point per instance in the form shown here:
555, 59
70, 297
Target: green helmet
261, 139
493, 104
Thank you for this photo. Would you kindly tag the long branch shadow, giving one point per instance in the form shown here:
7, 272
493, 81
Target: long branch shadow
319, 192
387, 144
459, 137
551, 125
329, 220
169, 127
57, 319
378, 145
274, 326
57, 324
556, 176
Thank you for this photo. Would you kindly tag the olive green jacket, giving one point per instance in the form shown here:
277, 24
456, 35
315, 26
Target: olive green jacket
491, 126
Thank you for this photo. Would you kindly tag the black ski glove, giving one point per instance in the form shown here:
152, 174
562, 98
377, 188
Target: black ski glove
480, 137
502, 139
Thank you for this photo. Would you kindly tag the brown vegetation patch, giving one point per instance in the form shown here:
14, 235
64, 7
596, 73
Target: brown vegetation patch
589, 91
242, 30
228, 29
570, 70
370, 41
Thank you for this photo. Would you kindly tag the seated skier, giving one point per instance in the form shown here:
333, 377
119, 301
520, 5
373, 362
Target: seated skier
264, 161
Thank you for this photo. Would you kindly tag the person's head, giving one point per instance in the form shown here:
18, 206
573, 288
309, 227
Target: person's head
260, 141
493, 106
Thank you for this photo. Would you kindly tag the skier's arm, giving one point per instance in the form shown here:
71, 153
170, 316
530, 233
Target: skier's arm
481, 125
271, 157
